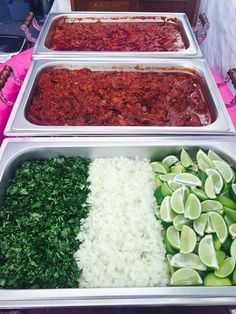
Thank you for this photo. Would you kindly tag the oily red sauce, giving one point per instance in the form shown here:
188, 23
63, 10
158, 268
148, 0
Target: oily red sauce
127, 36
101, 98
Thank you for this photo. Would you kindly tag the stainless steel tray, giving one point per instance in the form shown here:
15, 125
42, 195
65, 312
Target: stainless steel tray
15, 151
18, 124
193, 50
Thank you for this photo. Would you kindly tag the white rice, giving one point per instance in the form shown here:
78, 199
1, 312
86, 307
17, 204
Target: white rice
122, 245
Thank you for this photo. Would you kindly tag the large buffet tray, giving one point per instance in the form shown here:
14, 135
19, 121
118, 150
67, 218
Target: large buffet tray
40, 49
19, 125
15, 151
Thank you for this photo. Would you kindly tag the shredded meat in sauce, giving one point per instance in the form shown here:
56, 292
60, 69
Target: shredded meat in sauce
101, 98
128, 36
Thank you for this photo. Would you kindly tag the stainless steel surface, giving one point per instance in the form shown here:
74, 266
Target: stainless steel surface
193, 51
18, 124
14, 151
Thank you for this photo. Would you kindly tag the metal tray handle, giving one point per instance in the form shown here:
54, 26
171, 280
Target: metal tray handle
30, 19
203, 22
230, 76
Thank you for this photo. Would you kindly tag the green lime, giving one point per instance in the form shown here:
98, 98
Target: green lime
192, 207
199, 193
216, 242
234, 277
210, 187
178, 168
225, 191
226, 268
226, 202
157, 179
224, 169
204, 162
217, 179
228, 221
211, 205
189, 260
174, 185
207, 252
170, 160
209, 227
212, 280
220, 257
199, 224
202, 176
169, 259
188, 240
213, 156
185, 159
173, 237
165, 189
226, 245
219, 226
168, 176
186, 277
188, 179
233, 248
177, 201
230, 213
179, 221
158, 195
169, 248
232, 230
193, 167
166, 212
232, 191
160, 167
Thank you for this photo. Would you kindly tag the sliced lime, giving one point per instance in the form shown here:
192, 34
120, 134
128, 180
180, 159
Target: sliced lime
189, 260
165, 189
159, 167
177, 201
209, 227
192, 207
226, 245
207, 252
157, 179
169, 259
220, 257
230, 213
226, 202
174, 185
169, 248
158, 195
234, 277
202, 165
219, 226
211, 205
232, 191
209, 187
213, 156
178, 168
179, 221
185, 159
228, 221
205, 161
173, 237
202, 176
212, 280
226, 268
233, 248
166, 212
193, 167
186, 277
224, 169
199, 224
168, 176
217, 179
199, 193
170, 160
232, 230
188, 179
216, 242
188, 240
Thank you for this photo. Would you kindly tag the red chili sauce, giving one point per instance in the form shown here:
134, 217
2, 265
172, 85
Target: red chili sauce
128, 36
98, 98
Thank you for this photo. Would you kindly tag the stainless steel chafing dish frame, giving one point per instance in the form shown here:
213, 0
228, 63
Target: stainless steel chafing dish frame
14, 151
18, 124
193, 51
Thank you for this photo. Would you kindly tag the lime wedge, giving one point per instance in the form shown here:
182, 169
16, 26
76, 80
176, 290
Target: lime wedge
165, 189
224, 169
168, 176
220, 257
217, 179
209, 227
186, 277
213, 156
233, 248
188, 240
160, 167
219, 226
226, 268
193, 167
234, 278
207, 252
188, 179
178, 168
158, 195
211, 205
169, 259
177, 201
170, 160
202, 176
202, 165
173, 237
192, 207
166, 212
209, 187
199, 193
226, 245
169, 248
216, 242
212, 280
232, 191
185, 159
179, 221
228, 221
232, 230
204, 162
226, 202
174, 185
199, 224
157, 179
189, 260
230, 213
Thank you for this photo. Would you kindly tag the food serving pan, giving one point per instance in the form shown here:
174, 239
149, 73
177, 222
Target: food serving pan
14, 151
192, 49
221, 122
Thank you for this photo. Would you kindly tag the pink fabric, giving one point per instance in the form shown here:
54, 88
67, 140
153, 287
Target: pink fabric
20, 63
